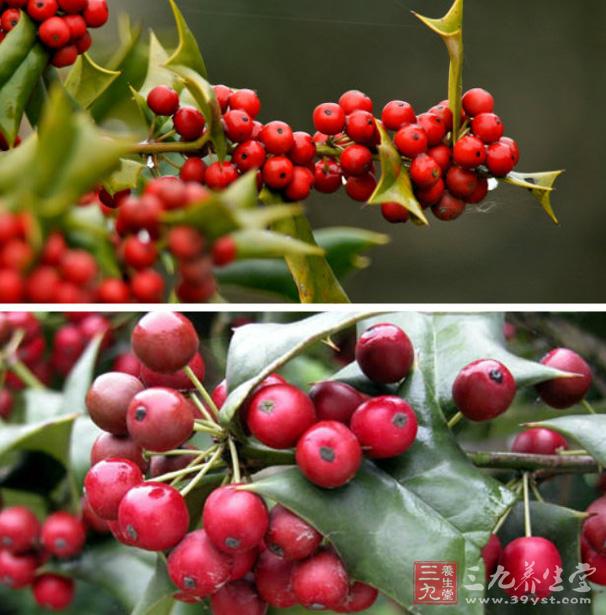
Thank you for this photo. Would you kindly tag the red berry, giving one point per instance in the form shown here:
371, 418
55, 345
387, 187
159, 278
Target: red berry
17, 571
277, 137
442, 110
235, 520
469, 152
433, 126
461, 182
411, 140
76, 25
163, 100
425, 171
562, 393
54, 32
539, 441
476, 101
300, 186
63, 535
219, 394
385, 426
491, 554
273, 576
546, 565
594, 527
321, 581
448, 207
108, 399
53, 592
219, 175
113, 290
243, 563
170, 190
147, 286
197, 567
249, 155
432, 194
596, 561
73, 6
238, 125
356, 160
361, 187
178, 380
78, 267
483, 390
222, 94
96, 13
515, 150
165, 341
303, 150
442, 154
500, 159
480, 192
19, 529
335, 401
153, 516
139, 254
238, 597
6, 404
225, 251
394, 212
108, 446
487, 127
278, 172
41, 10
354, 100
289, 536
84, 43
160, 419
138, 214
10, 18
12, 287
107, 482
360, 127
329, 118
329, 454
385, 353
189, 123
396, 114
185, 242
359, 598
327, 176
245, 100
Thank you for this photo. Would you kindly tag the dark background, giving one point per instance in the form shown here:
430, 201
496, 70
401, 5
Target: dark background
544, 62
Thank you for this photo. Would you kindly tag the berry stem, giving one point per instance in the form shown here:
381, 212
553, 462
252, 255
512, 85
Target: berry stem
572, 453
208, 400
550, 464
203, 409
588, 407
454, 420
235, 461
535, 490
203, 471
175, 452
182, 147
205, 427
527, 526
24, 373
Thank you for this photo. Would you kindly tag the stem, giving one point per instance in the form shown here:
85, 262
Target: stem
527, 526
535, 491
200, 426
175, 452
203, 472
572, 453
203, 392
203, 409
24, 373
177, 147
454, 420
588, 407
550, 464
235, 461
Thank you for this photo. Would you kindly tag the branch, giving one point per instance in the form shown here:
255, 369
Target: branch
542, 465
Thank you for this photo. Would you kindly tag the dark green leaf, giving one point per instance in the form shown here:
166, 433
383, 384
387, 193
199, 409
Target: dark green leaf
157, 598
188, 52
80, 378
87, 81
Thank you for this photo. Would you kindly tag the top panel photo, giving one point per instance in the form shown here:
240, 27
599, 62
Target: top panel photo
200, 151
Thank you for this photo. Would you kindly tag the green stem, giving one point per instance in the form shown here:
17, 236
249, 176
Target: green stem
24, 373
203, 472
588, 407
203, 409
201, 427
527, 526
177, 147
572, 452
526, 462
173, 453
208, 400
535, 491
454, 420
235, 461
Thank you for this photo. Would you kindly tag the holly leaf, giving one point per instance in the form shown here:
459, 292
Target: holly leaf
188, 52
157, 599
540, 186
157, 73
394, 185
126, 177
22, 61
589, 430
257, 243
87, 81
80, 378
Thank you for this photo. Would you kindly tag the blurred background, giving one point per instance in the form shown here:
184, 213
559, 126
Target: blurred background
542, 60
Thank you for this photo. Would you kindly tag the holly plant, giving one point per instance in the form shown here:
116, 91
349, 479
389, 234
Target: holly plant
141, 181
299, 481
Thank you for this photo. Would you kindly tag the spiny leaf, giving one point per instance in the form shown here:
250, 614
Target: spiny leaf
127, 176
540, 185
258, 243
394, 184
87, 81
157, 73
263, 217
188, 52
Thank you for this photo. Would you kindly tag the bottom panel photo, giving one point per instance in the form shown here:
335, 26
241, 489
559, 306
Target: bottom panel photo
249, 463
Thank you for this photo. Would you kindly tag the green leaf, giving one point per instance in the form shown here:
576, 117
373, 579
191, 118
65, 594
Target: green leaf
263, 217
84, 434
450, 30
394, 184
257, 243
258, 350
204, 95
157, 598
212, 217
377, 526
41, 405
127, 176
87, 81
242, 194
51, 437
157, 73
589, 430
188, 52
540, 186
22, 61
80, 378
563, 527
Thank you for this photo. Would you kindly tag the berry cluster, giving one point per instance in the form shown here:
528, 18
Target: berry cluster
26, 545
62, 24
593, 540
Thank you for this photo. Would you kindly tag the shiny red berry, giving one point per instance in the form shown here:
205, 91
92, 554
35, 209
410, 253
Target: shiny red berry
396, 114
53, 592
394, 212
461, 183
469, 152
384, 353
153, 516
411, 140
565, 392
335, 401
500, 159
479, 194
491, 554
41, 10
219, 175
245, 100
433, 126
224, 251
235, 520
354, 100
359, 598
425, 171
189, 123
249, 155
321, 581
96, 13
483, 389
360, 187
442, 154
329, 118
273, 576
63, 535
289, 536
178, 380
17, 571
356, 160
476, 101
238, 597
163, 100
327, 175
19, 529
515, 150
277, 137
488, 127
360, 127
238, 125
54, 32
300, 186
278, 172
193, 170
431, 195
303, 150
448, 207
539, 441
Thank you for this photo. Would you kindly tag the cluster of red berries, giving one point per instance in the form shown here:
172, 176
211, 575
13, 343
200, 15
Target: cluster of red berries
46, 363
485, 389
26, 545
62, 24
593, 540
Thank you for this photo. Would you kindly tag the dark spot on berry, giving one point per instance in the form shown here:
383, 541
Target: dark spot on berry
327, 112
267, 406
279, 131
232, 543
244, 156
276, 550
399, 419
7, 541
496, 375
131, 532
282, 175
189, 582
60, 543
327, 454
140, 413
415, 136
478, 154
